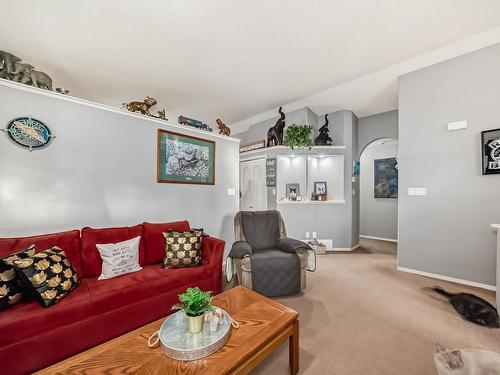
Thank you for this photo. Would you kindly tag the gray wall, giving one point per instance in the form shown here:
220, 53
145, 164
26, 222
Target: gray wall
354, 188
101, 171
378, 216
448, 231
381, 125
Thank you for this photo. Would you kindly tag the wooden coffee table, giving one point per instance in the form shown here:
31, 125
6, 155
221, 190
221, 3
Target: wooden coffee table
264, 326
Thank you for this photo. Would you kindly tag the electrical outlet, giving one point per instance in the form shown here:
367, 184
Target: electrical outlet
307, 234
314, 234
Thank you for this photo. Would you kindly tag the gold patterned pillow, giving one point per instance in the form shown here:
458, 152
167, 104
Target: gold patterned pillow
49, 275
182, 248
11, 287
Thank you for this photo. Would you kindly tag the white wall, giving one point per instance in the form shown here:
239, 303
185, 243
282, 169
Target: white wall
378, 216
448, 231
101, 171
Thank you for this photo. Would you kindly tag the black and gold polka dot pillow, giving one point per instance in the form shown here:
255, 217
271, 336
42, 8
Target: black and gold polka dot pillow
182, 248
11, 288
49, 275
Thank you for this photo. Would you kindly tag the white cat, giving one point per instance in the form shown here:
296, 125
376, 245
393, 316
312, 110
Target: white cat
466, 361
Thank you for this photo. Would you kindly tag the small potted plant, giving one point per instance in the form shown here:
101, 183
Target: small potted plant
195, 303
298, 136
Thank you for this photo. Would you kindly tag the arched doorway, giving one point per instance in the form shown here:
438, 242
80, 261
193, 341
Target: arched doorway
378, 190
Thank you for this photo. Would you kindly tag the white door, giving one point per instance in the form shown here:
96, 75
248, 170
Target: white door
253, 185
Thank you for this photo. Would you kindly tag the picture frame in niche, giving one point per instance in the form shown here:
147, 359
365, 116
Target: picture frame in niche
292, 191
320, 188
184, 159
490, 149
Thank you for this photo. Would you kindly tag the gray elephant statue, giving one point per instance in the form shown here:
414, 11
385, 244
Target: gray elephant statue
22, 72
7, 61
41, 80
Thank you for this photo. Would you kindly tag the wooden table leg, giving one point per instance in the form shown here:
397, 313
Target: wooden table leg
293, 349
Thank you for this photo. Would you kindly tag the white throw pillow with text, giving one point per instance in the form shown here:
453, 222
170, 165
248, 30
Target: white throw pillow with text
119, 258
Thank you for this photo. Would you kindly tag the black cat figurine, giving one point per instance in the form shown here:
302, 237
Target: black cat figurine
472, 308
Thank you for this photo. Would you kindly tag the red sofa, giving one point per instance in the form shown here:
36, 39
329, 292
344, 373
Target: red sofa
32, 337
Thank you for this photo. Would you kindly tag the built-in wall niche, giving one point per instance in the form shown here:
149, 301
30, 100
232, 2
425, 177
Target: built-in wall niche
329, 169
305, 170
292, 169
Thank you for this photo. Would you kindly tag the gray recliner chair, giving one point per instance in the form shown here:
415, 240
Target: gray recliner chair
264, 259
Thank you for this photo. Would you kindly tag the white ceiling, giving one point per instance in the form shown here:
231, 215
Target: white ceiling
233, 59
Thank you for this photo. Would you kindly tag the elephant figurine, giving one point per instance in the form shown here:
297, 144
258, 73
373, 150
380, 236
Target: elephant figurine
7, 61
22, 72
41, 80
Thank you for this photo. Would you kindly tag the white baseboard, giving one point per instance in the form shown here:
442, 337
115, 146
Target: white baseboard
343, 248
378, 238
447, 278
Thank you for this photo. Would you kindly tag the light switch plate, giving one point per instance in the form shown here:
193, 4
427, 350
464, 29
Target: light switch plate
231, 191
417, 191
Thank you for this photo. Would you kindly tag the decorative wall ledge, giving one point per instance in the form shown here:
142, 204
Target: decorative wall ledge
284, 150
88, 103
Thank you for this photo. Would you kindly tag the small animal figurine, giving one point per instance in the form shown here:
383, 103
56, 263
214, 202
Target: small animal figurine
215, 318
323, 139
223, 129
472, 308
466, 361
162, 115
142, 107
275, 133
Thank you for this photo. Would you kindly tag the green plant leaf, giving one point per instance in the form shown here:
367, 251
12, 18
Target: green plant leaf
194, 302
298, 136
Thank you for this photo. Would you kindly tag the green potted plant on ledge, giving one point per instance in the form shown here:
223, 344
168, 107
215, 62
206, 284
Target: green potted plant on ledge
298, 136
195, 303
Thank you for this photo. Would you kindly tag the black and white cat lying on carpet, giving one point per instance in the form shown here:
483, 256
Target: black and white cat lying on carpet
472, 308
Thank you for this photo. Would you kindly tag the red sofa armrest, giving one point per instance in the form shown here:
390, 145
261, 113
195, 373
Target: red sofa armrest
212, 250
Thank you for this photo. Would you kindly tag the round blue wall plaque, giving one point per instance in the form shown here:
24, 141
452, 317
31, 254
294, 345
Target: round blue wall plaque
28, 132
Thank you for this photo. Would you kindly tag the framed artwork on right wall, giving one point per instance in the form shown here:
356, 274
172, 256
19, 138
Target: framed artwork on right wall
490, 149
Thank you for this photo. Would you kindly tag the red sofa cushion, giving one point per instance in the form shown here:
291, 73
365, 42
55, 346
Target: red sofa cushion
127, 289
154, 240
28, 319
69, 241
91, 260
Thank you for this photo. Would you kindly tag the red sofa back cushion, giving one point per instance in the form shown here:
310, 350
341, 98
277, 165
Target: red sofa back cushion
69, 241
154, 240
91, 260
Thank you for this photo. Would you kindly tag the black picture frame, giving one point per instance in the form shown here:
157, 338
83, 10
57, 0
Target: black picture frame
490, 151
320, 188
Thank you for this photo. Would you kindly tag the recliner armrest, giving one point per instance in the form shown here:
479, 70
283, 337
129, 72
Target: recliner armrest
290, 245
240, 249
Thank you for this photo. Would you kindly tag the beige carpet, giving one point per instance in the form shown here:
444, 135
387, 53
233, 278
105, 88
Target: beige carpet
360, 316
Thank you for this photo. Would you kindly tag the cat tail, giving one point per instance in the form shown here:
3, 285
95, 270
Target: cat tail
441, 291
